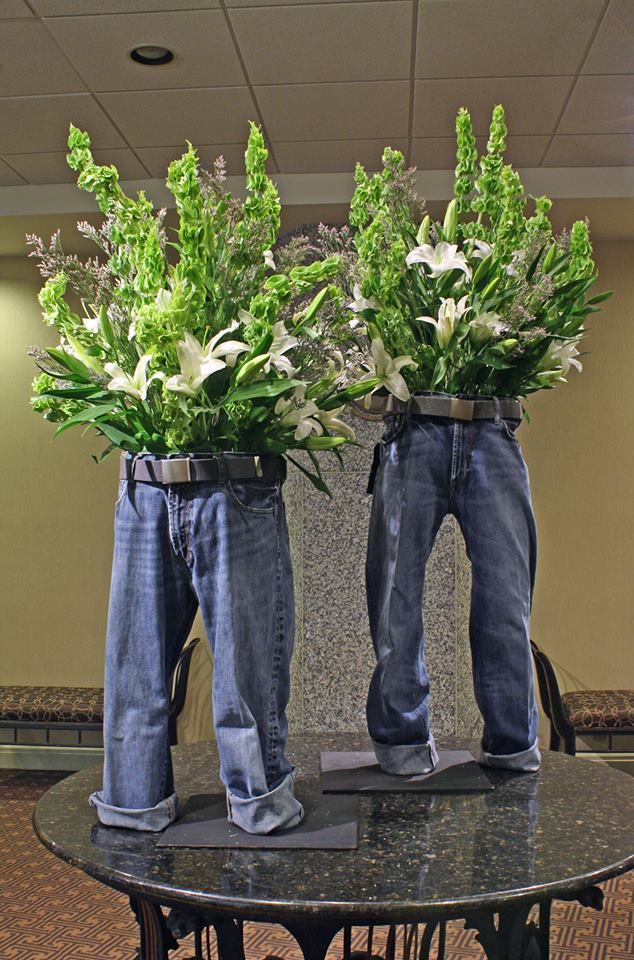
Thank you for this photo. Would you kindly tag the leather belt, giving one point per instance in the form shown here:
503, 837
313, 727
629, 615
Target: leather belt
215, 469
457, 408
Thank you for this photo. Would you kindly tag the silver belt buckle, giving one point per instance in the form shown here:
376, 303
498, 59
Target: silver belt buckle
175, 471
461, 409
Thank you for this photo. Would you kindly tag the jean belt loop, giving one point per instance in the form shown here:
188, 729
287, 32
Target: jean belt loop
496, 410
222, 468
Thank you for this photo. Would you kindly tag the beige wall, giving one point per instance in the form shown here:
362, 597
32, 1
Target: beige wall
56, 519
580, 451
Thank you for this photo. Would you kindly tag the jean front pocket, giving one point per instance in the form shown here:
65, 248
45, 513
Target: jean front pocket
509, 425
255, 496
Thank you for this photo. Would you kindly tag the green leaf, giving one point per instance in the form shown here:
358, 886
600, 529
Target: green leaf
76, 393
261, 388
118, 437
105, 453
90, 413
314, 478
70, 363
600, 297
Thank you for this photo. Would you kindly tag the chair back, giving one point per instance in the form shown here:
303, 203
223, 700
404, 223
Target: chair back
178, 687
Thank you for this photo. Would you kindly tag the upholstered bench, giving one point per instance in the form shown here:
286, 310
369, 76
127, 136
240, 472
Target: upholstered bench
51, 708
78, 709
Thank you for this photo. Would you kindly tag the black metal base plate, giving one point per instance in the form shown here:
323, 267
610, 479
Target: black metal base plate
456, 772
330, 823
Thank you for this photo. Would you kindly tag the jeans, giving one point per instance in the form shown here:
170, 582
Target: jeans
223, 546
430, 467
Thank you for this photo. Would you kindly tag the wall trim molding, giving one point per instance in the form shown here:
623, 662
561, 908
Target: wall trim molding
30, 757
299, 189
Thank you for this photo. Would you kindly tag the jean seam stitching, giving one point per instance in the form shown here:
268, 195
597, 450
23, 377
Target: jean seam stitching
273, 727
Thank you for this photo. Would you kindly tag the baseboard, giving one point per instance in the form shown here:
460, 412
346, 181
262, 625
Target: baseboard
620, 761
23, 757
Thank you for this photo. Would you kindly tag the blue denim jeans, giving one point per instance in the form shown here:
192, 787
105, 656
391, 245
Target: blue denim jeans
223, 546
430, 467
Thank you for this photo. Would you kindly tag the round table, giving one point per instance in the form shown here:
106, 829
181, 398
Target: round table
484, 858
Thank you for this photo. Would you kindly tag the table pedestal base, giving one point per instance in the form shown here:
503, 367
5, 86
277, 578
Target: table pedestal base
503, 934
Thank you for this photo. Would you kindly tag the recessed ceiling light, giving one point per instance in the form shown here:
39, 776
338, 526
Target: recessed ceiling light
151, 55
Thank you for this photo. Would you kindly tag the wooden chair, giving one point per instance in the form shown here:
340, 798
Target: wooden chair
581, 712
180, 678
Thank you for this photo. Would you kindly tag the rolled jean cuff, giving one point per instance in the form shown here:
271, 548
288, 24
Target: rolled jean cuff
526, 761
151, 818
277, 810
407, 759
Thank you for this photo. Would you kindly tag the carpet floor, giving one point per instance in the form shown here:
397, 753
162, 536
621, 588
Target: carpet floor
51, 911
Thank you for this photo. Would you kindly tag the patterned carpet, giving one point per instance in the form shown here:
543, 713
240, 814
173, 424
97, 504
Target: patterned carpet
51, 911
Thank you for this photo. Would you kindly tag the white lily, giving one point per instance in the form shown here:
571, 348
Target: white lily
481, 250
485, 326
449, 316
440, 259
163, 299
268, 259
92, 324
299, 413
560, 357
198, 362
136, 385
361, 303
132, 328
329, 419
386, 369
283, 341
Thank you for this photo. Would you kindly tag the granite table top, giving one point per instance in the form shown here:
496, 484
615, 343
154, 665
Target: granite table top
420, 856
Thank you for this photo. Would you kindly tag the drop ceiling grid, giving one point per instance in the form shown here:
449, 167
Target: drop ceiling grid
407, 96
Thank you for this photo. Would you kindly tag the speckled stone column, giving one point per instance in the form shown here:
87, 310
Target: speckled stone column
333, 658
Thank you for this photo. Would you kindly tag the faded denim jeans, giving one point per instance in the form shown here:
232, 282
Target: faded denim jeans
223, 546
430, 467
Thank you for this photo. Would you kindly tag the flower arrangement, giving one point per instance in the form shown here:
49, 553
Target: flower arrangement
216, 351
490, 301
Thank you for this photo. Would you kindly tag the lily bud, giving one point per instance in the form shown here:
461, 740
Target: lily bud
451, 222
83, 355
549, 258
249, 369
105, 326
423, 231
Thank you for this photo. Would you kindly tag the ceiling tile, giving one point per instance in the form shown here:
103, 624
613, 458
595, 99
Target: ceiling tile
332, 156
32, 63
614, 150
149, 118
499, 38
32, 124
204, 53
343, 111
8, 177
14, 8
613, 47
322, 42
439, 153
156, 159
63, 8
53, 168
532, 104
600, 105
